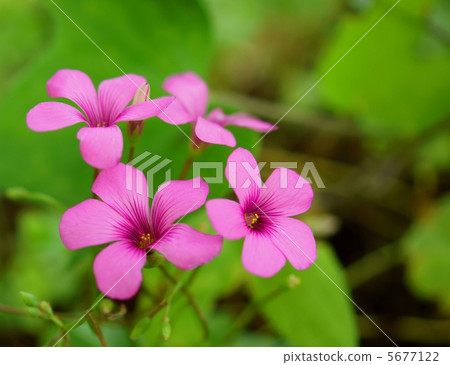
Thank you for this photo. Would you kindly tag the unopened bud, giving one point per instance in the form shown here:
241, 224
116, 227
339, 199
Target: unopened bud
106, 306
46, 308
166, 329
135, 127
33, 311
29, 299
293, 281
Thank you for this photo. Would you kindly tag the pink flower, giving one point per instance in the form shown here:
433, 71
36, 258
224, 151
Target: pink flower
191, 104
101, 142
263, 214
124, 217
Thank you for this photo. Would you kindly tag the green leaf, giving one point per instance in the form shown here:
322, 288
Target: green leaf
392, 82
427, 250
23, 195
315, 313
142, 326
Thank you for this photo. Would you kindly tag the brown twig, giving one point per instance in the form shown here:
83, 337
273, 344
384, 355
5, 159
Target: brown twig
12, 310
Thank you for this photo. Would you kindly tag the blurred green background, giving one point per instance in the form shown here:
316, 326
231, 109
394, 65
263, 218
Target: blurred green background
376, 128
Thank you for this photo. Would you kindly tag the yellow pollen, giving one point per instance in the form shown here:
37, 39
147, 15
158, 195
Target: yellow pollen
145, 240
251, 219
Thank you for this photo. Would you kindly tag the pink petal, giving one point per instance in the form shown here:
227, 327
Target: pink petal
176, 199
213, 133
247, 121
187, 248
295, 239
190, 90
145, 109
117, 270
125, 189
101, 147
176, 114
217, 116
76, 86
260, 256
52, 115
89, 223
227, 218
115, 94
243, 175
286, 193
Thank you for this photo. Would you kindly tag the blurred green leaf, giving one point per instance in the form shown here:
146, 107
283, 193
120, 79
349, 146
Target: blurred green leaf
315, 313
23, 195
391, 82
427, 250
142, 326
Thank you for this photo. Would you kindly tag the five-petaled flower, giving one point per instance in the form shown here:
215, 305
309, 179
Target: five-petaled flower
263, 216
191, 102
125, 218
101, 142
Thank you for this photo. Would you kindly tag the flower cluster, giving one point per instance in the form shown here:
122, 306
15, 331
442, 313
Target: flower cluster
121, 215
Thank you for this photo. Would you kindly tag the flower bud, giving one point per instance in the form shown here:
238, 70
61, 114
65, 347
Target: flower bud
293, 281
166, 329
33, 311
29, 299
106, 306
46, 309
135, 127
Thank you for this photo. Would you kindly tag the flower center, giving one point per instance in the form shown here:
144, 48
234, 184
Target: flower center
251, 219
145, 240
102, 124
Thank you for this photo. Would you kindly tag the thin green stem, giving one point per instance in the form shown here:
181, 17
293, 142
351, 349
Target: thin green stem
97, 330
166, 301
57, 337
96, 172
192, 277
191, 299
186, 168
131, 153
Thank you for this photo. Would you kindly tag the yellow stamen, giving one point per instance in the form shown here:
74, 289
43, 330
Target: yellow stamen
145, 240
251, 219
